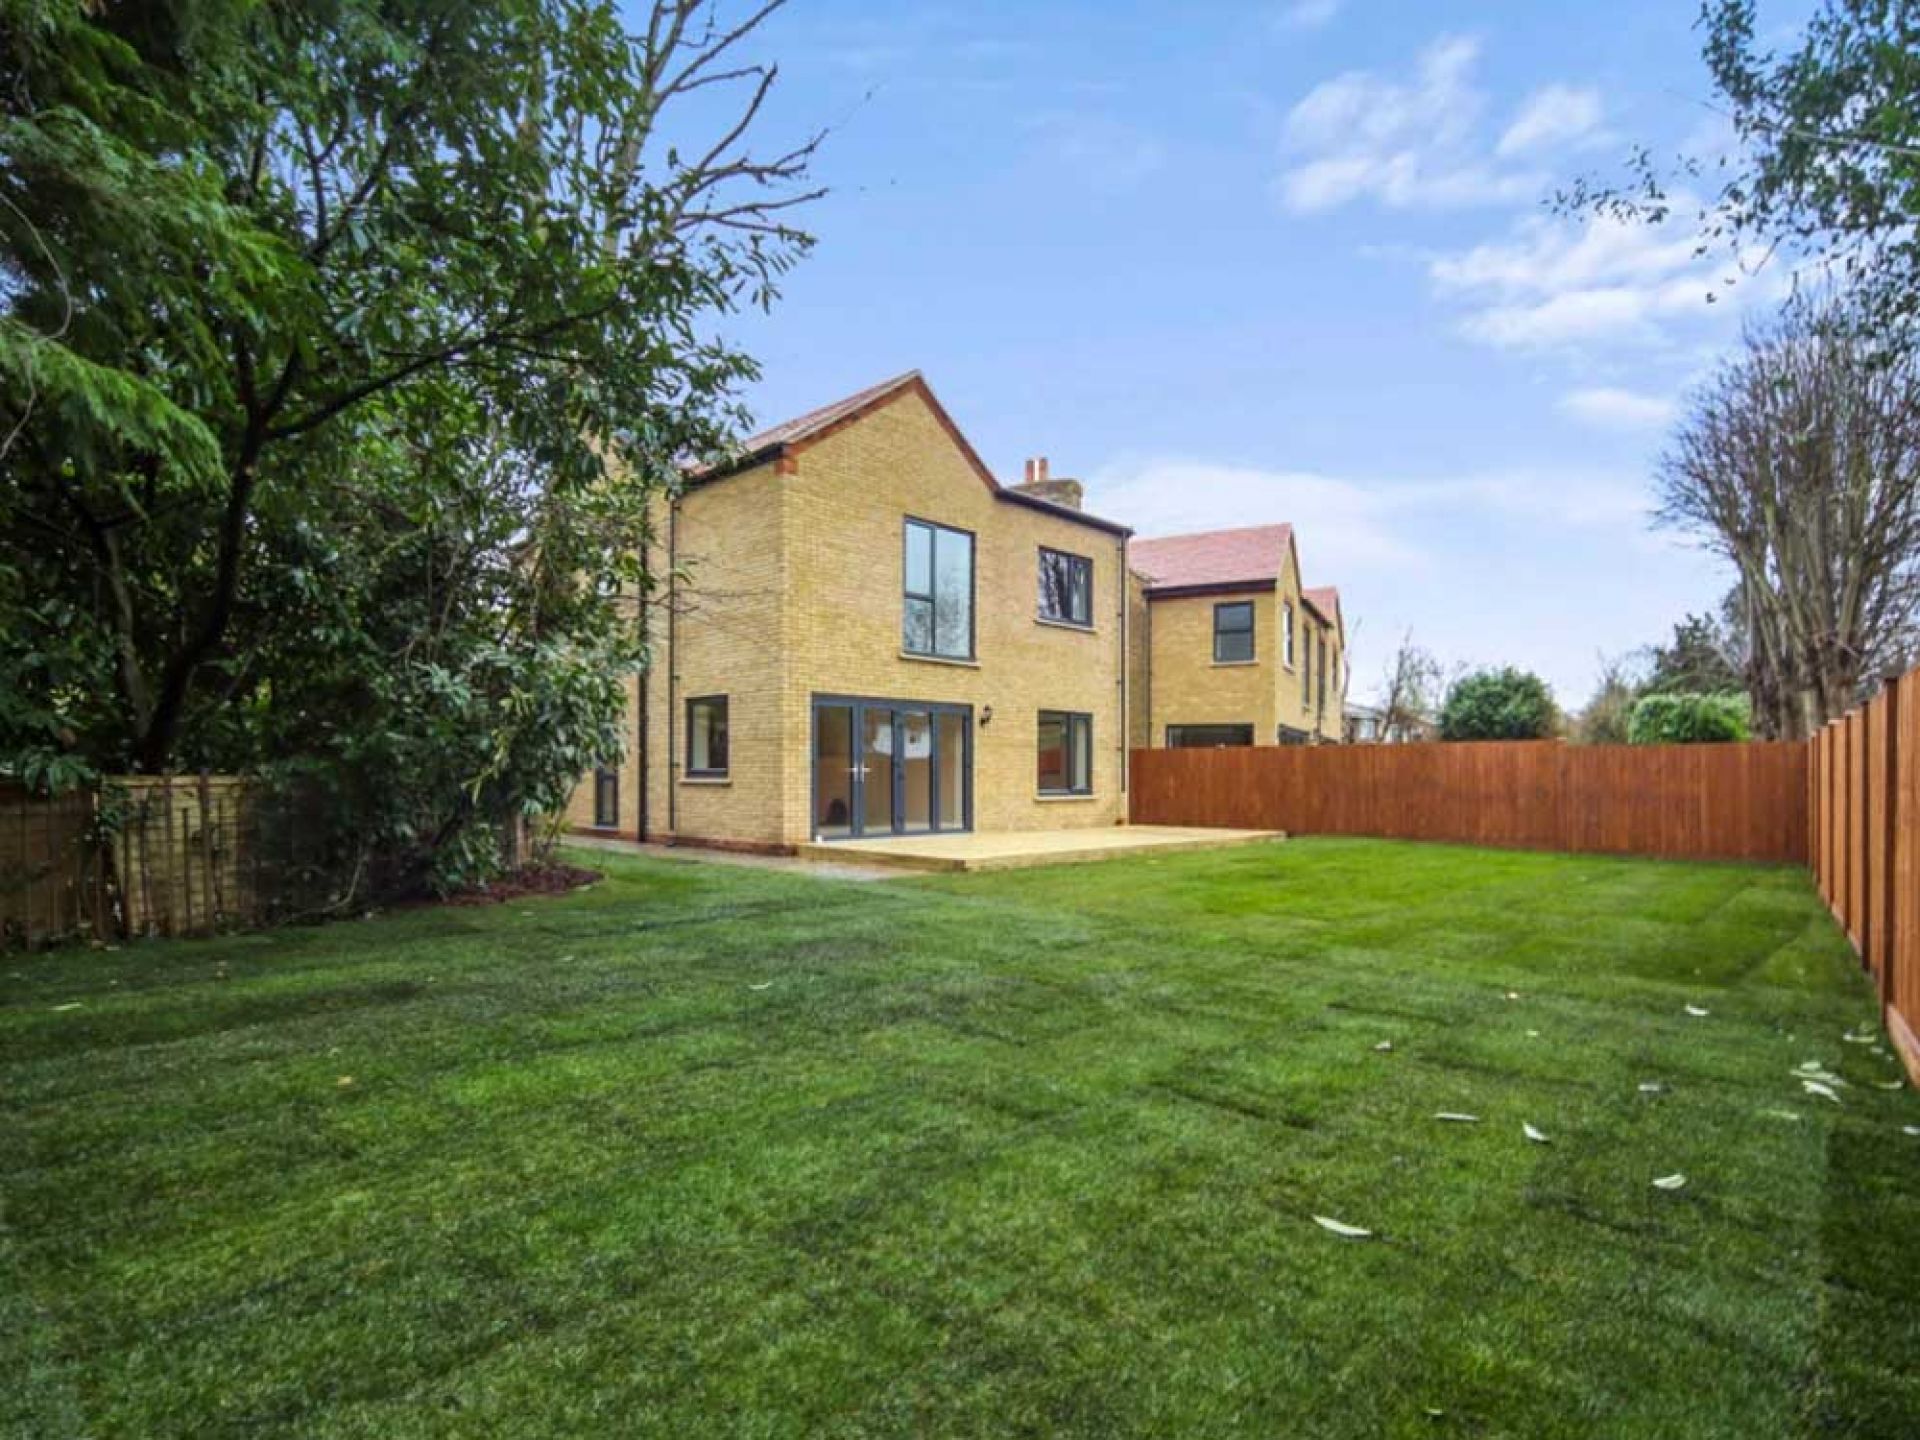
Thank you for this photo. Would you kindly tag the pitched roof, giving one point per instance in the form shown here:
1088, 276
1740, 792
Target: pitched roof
802, 427
1253, 557
1326, 600
791, 435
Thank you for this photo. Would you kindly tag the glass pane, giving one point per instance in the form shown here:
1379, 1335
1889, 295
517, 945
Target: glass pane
953, 760
1082, 753
876, 771
917, 633
916, 769
1233, 645
1053, 751
833, 771
919, 559
707, 735
1056, 603
953, 598
1082, 602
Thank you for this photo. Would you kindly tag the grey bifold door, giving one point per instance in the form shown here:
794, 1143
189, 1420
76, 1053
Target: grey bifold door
891, 767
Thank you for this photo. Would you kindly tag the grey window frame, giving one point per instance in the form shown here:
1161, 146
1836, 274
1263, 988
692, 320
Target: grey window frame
931, 596
1081, 721
1253, 652
711, 772
1083, 564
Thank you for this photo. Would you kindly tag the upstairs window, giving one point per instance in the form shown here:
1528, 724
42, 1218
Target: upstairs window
1066, 587
1323, 672
707, 737
1286, 633
1066, 753
937, 616
1233, 632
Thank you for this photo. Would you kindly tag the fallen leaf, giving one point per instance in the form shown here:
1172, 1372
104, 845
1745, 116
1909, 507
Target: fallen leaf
1814, 1087
763, 985
1513, 994
1652, 1087
1697, 1012
1534, 1135
1456, 1117
1853, 1039
1533, 1034
1384, 1046
1889, 1085
1781, 1114
1342, 1229
74, 1006
1670, 1182
344, 1081
1910, 1129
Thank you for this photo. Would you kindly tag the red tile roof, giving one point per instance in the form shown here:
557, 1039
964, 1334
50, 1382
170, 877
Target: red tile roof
802, 426
1253, 557
1325, 599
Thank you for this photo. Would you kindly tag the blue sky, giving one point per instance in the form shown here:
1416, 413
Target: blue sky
1232, 264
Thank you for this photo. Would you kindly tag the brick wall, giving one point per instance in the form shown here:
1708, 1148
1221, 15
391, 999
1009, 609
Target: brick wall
793, 589
1181, 684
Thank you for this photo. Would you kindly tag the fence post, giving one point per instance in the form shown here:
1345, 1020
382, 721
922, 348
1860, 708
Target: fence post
1885, 923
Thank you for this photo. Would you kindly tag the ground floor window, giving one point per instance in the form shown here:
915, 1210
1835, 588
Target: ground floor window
707, 736
1207, 737
1066, 753
606, 796
1287, 735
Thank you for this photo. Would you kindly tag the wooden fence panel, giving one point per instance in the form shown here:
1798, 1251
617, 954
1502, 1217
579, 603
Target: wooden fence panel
1741, 802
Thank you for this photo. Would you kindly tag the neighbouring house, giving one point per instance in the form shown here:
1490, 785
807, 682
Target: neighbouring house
1229, 647
863, 633
1367, 725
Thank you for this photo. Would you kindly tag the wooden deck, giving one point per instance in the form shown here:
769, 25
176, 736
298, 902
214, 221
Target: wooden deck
1017, 849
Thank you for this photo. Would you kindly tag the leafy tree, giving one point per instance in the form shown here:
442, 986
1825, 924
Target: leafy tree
1828, 166
344, 347
1503, 704
1689, 719
1799, 462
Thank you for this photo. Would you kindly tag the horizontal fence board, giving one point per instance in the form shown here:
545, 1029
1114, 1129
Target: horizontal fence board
1721, 802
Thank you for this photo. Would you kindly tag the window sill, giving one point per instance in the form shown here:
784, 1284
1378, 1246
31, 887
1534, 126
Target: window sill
706, 779
1052, 797
1053, 624
964, 664
1233, 664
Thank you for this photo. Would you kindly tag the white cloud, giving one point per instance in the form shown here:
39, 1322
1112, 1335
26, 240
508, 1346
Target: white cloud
1565, 283
1404, 143
1553, 116
1308, 14
1612, 408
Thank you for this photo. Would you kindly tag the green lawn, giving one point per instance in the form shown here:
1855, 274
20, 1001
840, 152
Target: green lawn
711, 1151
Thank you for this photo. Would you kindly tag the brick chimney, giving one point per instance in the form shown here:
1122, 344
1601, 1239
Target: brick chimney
1042, 486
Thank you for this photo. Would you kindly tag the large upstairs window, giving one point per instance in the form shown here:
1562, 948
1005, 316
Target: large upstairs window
937, 613
1066, 587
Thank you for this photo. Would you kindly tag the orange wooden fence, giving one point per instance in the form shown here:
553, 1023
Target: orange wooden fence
1864, 793
1722, 802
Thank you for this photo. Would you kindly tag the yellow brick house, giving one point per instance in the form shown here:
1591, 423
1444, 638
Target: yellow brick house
866, 634
1229, 648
